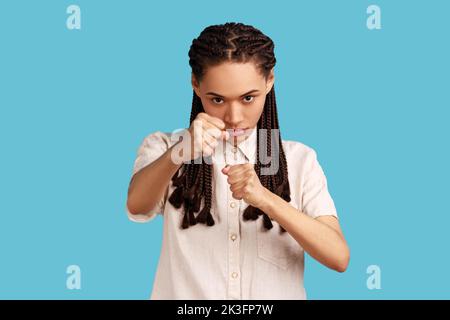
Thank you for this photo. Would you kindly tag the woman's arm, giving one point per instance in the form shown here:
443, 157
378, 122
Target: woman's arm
322, 237
148, 185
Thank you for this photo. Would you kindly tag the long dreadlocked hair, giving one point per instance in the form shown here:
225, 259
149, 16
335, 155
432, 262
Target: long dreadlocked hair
233, 42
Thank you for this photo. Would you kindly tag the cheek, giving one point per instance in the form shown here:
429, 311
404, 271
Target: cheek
213, 110
254, 112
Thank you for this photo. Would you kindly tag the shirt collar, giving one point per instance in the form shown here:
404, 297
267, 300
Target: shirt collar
248, 146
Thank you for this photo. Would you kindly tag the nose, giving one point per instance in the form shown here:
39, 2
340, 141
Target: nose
234, 115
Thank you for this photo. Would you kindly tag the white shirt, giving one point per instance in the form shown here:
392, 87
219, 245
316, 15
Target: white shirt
234, 259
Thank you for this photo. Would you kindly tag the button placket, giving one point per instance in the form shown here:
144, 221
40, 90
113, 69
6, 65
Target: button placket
234, 287
234, 150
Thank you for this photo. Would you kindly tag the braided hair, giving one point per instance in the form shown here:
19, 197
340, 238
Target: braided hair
234, 42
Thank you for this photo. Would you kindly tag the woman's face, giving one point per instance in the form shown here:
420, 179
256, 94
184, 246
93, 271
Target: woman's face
234, 93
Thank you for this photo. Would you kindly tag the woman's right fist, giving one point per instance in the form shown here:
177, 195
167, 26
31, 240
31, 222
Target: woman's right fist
203, 137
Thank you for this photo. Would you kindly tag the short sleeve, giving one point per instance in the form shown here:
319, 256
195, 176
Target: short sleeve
152, 147
316, 199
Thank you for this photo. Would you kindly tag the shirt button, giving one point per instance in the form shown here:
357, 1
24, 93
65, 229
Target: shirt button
233, 236
233, 204
234, 275
234, 150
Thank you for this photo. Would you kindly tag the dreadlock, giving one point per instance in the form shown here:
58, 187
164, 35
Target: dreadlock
234, 42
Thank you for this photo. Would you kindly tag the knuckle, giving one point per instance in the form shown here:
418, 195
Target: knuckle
217, 133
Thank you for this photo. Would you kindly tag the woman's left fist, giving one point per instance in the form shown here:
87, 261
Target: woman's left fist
245, 184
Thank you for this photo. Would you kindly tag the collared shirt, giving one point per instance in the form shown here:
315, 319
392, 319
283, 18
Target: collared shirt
234, 259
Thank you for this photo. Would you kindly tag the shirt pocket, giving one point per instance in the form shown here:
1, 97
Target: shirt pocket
280, 249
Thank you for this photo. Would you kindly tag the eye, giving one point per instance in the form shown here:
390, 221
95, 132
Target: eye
248, 100
215, 100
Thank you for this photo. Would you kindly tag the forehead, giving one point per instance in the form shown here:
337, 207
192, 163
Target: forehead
232, 79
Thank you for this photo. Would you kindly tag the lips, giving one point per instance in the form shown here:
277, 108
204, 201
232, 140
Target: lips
237, 132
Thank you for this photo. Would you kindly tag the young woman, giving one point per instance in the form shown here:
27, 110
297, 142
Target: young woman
240, 230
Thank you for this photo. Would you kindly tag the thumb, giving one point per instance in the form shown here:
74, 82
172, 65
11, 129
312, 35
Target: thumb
226, 169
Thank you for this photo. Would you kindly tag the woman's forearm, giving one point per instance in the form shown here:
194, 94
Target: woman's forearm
321, 241
148, 186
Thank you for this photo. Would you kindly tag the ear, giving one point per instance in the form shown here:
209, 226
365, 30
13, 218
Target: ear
195, 85
270, 80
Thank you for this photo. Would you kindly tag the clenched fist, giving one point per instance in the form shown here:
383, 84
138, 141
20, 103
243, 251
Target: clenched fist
245, 184
201, 138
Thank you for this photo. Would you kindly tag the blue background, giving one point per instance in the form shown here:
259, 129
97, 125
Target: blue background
76, 104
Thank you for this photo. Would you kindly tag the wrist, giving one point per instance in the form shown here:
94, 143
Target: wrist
267, 202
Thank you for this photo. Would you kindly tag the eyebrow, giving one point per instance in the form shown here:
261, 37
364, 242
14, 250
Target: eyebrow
245, 94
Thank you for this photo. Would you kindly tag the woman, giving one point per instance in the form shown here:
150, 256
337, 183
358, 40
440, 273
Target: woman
234, 231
